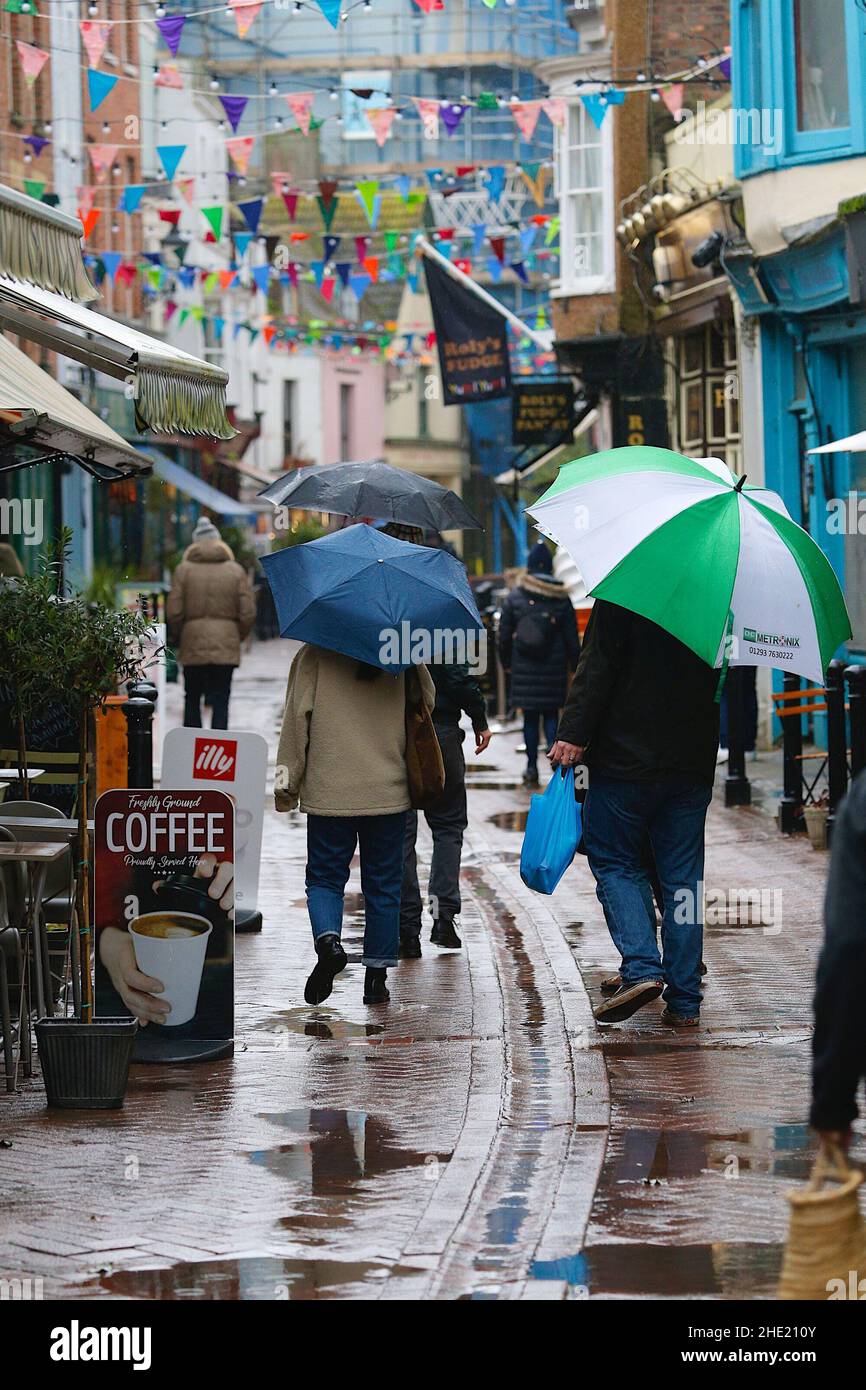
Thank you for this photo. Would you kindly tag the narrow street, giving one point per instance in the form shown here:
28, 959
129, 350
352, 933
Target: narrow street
480, 1138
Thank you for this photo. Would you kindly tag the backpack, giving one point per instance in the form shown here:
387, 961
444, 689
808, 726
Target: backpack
534, 634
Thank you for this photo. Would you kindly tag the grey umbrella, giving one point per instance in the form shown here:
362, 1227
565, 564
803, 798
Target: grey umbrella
376, 490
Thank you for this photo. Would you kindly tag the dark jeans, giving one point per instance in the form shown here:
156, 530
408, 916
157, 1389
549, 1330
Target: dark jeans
216, 683
447, 821
530, 731
672, 811
331, 842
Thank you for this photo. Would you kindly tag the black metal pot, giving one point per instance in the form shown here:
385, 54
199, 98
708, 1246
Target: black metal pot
85, 1066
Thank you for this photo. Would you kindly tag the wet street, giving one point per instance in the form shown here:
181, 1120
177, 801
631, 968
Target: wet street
479, 1138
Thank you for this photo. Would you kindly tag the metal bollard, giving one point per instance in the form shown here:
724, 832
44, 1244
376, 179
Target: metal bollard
791, 804
143, 690
738, 788
139, 722
837, 740
856, 678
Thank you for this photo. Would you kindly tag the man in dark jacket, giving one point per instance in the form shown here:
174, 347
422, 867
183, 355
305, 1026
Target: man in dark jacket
839, 1044
456, 691
642, 715
539, 648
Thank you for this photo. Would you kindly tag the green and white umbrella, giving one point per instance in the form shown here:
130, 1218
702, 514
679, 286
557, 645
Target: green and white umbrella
684, 542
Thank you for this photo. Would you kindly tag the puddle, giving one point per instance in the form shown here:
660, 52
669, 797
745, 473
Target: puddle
254, 1278
509, 820
684, 1271
334, 1150
661, 1156
318, 1023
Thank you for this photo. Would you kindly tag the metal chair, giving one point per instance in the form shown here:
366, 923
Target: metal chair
10, 949
59, 891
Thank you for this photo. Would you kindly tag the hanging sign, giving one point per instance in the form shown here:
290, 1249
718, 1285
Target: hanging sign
164, 888
472, 340
542, 412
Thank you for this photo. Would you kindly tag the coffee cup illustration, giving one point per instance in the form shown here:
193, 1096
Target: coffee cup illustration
171, 947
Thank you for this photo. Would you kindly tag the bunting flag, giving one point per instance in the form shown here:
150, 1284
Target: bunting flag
89, 221
170, 215
252, 212
552, 231
359, 284
234, 108
496, 182
84, 195
520, 271
725, 67
301, 105
327, 188
240, 148
242, 242
428, 6
318, 269
331, 10
497, 245
102, 158
186, 189
330, 246
34, 188
127, 272
171, 28
214, 217
367, 190
381, 119
404, 186
169, 76
327, 289
269, 333
99, 84
527, 239
111, 260
535, 178
344, 270
326, 209
526, 115
169, 157
245, 13
362, 247
479, 232
291, 201
597, 104
169, 311
452, 113
227, 278
261, 276
37, 143
555, 109
95, 35
130, 199
33, 60
428, 110
673, 99
292, 272
371, 265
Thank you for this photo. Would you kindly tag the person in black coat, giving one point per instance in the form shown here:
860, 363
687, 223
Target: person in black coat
839, 1043
539, 648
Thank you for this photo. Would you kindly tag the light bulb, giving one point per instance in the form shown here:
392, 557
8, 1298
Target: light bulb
274, 90
214, 84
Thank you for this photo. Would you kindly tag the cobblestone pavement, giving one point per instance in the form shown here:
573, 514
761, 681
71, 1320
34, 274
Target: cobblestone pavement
479, 1138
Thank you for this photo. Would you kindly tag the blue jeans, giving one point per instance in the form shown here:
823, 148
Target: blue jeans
672, 811
530, 731
331, 842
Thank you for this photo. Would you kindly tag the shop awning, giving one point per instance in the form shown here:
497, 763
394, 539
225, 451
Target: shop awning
44, 419
586, 424
171, 390
194, 487
42, 245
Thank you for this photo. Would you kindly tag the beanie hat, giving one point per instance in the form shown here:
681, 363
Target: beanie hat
540, 560
205, 530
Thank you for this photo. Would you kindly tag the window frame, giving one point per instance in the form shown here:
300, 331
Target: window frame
570, 283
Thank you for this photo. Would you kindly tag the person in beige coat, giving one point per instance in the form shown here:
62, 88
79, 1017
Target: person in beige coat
342, 759
210, 610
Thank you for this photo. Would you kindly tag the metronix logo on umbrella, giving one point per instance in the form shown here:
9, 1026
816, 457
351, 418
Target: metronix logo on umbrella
768, 639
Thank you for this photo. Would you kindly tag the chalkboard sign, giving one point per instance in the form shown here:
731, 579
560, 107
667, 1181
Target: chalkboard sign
50, 730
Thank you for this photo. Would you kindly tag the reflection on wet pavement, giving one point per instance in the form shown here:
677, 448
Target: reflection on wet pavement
509, 820
684, 1271
336, 1149
254, 1279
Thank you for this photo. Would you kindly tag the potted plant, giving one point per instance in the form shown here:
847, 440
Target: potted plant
57, 648
816, 817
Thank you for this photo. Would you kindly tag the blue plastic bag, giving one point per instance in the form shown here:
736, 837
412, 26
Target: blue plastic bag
552, 834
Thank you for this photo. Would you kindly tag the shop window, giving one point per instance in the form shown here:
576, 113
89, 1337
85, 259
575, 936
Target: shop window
706, 420
822, 82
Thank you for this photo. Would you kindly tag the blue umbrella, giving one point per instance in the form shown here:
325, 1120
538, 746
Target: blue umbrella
381, 600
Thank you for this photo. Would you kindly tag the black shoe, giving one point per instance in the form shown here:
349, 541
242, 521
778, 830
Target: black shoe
531, 778
410, 946
627, 1000
332, 959
375, 989
443, 934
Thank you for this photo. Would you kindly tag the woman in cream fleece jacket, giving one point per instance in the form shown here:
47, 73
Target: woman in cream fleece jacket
342, 759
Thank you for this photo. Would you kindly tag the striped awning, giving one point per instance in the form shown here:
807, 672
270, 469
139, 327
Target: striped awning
42, 245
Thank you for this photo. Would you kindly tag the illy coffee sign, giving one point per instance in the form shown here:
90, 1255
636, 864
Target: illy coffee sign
236, 763
215, 759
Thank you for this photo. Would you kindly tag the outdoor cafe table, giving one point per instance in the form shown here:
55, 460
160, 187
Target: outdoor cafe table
36, 858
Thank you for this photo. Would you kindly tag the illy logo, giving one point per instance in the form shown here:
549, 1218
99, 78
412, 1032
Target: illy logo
214, 759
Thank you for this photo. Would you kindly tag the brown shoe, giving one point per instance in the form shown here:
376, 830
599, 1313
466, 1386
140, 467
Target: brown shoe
613, 982
627, 1000
679, 1020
